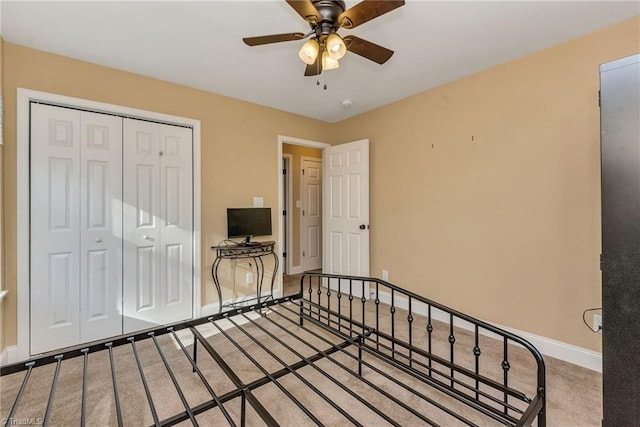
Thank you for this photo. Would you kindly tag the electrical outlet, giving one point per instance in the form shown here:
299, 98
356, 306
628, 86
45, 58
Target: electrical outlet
385, 275
597, 322
249, 278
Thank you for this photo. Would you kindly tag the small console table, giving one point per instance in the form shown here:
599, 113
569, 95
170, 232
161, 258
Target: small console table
255, 251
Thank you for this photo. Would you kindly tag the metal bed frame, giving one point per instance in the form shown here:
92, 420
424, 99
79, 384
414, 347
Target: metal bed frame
432, 364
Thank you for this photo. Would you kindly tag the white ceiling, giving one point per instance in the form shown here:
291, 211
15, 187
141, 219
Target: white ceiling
199, 44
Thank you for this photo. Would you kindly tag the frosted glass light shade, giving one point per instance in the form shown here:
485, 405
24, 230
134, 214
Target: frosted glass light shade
309, 51
335, 46
329, 63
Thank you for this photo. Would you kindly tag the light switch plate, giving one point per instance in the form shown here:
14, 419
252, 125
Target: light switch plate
258, 202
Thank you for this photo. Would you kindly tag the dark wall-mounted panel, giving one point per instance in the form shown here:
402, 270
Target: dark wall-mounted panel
620, 126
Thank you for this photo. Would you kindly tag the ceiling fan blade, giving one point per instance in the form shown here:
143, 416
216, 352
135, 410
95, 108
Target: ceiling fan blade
306, 9
367, 49
315, 68
274, 38
367, 10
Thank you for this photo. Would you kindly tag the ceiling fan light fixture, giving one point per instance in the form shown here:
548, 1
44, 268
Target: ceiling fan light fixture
309, 51
335, 46
326, 17
329, 63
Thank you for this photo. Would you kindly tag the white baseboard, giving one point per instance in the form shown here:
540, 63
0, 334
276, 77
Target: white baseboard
211, 309
9, 355
296, 270
569, 353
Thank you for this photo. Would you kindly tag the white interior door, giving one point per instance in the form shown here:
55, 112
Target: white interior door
100, 226
55, 228
346, 210
311, 236
158, 224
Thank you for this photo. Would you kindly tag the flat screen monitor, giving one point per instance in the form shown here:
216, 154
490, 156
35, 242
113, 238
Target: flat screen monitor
248, 222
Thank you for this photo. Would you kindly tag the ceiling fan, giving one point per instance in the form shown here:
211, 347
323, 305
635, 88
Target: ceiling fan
325, 47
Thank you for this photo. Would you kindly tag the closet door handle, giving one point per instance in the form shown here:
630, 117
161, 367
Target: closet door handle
98, 240
149, 238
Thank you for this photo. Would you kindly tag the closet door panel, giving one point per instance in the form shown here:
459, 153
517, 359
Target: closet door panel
141, 231
176, 220
158, 224
145, 278
101, 226
54, 228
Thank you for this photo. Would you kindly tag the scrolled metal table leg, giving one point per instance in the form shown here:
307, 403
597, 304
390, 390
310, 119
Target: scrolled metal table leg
216, 282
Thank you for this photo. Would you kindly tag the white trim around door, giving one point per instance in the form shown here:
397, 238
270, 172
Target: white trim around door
24, 98
287, 221
282, 139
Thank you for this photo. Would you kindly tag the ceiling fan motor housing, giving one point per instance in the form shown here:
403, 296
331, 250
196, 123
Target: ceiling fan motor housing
329, 10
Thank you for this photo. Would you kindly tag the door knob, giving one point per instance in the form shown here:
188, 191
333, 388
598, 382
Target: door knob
98, 240
363, 227
145, 237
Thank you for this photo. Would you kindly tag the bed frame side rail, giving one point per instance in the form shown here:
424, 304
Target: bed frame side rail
392, 321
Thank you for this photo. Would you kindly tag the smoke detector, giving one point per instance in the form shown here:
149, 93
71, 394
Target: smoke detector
346, 103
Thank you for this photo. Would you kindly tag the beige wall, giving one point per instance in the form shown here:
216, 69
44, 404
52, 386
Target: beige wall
297, 152
233, 133
486, 191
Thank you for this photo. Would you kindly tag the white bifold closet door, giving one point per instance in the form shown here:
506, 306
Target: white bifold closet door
76, 228
158, 224
111, 226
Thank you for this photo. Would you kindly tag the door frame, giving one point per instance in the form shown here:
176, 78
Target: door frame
287, 221
283, 139
24, 98
302, 197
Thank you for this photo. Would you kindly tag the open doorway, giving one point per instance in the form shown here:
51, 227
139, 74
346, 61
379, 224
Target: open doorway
300, 210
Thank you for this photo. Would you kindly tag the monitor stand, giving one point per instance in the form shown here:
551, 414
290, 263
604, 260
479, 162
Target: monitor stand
247, 242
